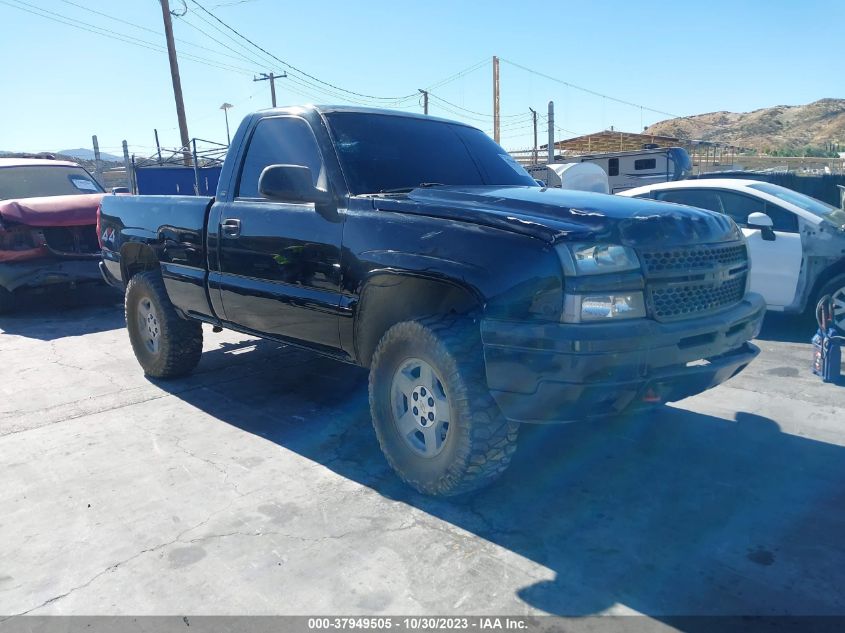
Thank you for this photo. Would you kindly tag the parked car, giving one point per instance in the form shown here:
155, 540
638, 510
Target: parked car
48, 235
418, 248
796, 243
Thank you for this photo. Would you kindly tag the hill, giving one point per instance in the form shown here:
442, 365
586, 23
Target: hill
107, 160
813, 127
88, 154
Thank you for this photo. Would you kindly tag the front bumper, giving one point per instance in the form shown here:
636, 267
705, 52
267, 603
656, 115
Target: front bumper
558, 372
46, 272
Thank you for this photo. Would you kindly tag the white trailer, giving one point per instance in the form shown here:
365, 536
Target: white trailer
626, 170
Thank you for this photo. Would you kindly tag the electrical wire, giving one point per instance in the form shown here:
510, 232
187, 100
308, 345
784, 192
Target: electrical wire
587, 90
474, 112
299, 71
254, 56
459, 74
147, 29
127, 39
611, 98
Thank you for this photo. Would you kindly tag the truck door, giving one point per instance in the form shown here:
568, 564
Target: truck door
279, 262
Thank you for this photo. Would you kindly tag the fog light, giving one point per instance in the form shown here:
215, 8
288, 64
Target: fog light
584, 308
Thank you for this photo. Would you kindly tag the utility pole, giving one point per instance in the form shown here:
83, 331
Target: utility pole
177, 82
128, 166
495, 98
425, 100
158, 146
225, 107
272, 78
98, 166
551, 131
534, 118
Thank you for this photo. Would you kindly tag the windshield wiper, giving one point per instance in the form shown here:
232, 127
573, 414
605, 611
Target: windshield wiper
422, 185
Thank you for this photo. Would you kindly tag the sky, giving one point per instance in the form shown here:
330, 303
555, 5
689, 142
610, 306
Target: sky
65, 77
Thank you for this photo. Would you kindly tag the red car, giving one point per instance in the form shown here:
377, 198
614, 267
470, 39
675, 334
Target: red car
48, 216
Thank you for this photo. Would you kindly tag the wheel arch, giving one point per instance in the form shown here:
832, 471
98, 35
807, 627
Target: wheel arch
832, 271
136, 258
390, 297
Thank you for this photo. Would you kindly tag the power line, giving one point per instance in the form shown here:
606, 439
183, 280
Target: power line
122, 37
298, 70
255, 57
144, 28
609, 97
588, 91
249, 56
467, 110
459, 74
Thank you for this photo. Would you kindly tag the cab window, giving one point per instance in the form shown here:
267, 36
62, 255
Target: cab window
279, 141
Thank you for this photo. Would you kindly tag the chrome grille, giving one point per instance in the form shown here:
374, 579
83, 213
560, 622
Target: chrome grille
697, 280
694, 257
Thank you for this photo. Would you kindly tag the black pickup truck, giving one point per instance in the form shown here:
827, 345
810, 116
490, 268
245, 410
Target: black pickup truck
418, 248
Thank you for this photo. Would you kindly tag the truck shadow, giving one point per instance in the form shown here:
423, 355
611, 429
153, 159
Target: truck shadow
55, 313
788, 328
669, 513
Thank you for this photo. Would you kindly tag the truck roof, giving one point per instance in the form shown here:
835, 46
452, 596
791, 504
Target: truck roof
327, 109
35, 162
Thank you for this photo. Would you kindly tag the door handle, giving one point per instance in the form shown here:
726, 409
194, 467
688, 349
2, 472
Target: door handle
231, 227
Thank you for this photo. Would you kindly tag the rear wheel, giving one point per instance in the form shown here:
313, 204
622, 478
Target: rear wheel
165, 344
7, 300
436, 422
836, 289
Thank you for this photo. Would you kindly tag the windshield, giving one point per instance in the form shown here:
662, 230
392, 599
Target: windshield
816, 207
33, 181
381, 153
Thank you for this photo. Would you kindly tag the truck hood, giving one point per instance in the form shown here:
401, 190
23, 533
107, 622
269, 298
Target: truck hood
52, 211
558, 214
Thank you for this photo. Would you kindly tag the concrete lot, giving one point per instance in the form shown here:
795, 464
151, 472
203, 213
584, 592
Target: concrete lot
256, 486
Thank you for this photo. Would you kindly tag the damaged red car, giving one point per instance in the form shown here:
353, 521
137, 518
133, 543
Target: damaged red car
48, 234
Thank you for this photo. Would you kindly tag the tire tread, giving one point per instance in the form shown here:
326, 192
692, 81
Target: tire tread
491, 438
181, 345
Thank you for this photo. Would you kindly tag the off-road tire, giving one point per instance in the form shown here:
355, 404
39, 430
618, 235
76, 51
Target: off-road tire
7, 300
480, 441
179, 340
836, 289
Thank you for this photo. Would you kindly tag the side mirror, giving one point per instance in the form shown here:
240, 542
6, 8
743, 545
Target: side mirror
763, 222
290, 183
759, 221
542, 183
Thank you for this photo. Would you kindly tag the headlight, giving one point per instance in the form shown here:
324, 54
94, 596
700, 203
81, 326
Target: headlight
597, 259
587, 308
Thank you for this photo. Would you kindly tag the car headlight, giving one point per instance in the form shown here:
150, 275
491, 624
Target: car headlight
597, 259
602, 307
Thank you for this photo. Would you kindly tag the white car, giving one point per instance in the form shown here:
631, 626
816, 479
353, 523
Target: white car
796, 243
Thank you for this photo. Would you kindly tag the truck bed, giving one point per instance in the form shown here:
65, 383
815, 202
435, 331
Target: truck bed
174, 228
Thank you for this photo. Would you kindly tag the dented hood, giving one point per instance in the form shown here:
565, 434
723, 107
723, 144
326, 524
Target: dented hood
52, 211
559, 214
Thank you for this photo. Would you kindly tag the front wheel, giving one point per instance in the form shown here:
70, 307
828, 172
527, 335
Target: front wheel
165, 344
435, 420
